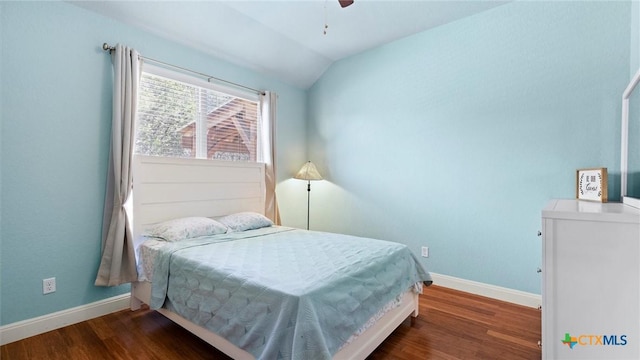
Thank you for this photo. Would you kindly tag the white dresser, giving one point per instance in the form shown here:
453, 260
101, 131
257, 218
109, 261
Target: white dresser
591, 281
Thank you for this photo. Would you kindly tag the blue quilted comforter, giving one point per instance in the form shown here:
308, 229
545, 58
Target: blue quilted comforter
282, 293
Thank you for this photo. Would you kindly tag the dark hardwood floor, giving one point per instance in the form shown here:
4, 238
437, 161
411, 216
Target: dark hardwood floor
451, 325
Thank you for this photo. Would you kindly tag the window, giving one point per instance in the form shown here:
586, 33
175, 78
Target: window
181, 116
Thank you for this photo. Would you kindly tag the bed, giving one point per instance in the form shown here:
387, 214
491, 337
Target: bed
296, 294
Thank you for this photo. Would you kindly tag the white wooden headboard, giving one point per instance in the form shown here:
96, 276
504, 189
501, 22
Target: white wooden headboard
169, 188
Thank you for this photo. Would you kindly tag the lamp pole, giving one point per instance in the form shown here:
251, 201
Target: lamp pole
308, 201
308, 172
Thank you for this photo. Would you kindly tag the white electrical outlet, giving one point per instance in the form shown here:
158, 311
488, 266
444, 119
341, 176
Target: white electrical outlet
48, 285
425, 251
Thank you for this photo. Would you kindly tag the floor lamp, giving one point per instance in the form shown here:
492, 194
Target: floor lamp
308, 172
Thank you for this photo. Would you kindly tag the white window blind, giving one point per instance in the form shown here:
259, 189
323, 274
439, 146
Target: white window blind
189, 118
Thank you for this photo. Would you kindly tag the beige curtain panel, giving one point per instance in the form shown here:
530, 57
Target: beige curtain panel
268, 114
118, 264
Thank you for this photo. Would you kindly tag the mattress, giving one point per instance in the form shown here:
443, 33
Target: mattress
277, 292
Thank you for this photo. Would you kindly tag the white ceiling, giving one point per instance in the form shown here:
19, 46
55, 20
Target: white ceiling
285, 39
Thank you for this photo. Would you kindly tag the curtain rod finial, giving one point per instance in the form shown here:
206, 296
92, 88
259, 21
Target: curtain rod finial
106, 47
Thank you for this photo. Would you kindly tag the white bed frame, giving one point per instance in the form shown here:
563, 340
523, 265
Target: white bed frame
171, 188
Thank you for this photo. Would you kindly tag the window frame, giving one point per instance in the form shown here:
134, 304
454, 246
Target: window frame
201, 142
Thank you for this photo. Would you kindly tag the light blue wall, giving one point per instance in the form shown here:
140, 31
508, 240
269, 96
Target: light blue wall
1, 126
56, 96
457, 137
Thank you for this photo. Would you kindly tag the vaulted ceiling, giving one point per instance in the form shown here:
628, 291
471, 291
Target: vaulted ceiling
286, 39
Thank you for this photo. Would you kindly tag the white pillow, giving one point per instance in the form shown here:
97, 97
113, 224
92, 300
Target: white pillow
186, 228
245, 221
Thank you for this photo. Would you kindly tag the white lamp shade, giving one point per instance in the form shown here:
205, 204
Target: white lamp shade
308, 172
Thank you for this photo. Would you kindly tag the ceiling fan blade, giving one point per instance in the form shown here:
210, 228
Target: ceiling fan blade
345, 3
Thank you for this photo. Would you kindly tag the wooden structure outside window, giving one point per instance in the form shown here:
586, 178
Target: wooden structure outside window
231, 132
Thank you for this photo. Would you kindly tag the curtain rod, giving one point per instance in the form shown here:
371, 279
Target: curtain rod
109, 48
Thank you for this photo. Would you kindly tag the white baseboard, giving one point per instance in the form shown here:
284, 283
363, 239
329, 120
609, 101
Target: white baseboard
31, 327
491, 291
